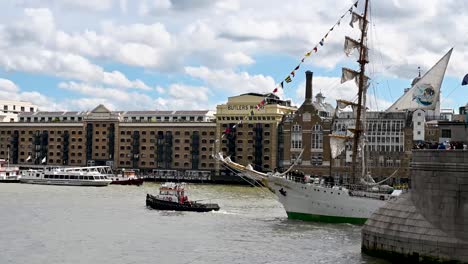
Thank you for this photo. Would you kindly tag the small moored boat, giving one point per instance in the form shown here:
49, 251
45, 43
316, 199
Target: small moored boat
8, 173
126, 177
172, 197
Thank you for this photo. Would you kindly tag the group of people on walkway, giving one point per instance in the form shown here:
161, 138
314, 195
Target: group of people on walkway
442, 145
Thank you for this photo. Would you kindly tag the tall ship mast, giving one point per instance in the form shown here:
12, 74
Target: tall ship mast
313, 198
362, 89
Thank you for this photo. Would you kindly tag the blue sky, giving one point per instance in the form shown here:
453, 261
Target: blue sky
181, 54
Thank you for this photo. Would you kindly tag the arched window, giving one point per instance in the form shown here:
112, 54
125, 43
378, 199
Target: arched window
317, 137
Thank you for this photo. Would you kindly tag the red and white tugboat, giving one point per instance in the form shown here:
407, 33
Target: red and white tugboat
126, 177
172, 197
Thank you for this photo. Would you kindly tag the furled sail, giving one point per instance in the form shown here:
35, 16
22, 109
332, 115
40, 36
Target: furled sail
337, 144
342, 104
350, 45
357, 18
348, 74
425, 93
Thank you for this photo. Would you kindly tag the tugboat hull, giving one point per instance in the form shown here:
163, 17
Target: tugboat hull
154, 203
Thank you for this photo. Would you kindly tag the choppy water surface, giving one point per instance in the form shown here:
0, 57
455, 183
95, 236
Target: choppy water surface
57, 224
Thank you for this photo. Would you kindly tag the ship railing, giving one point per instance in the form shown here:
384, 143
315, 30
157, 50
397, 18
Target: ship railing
179, 175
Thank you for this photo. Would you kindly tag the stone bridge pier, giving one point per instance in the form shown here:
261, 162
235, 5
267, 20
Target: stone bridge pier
430, 222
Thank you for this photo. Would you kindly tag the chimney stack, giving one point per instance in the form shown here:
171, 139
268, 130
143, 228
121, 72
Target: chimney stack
308, 93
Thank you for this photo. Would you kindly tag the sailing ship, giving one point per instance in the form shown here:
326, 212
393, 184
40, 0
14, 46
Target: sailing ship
315, 199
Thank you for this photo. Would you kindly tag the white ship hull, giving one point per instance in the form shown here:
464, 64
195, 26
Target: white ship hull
96, 183
84, 176
318, 203
315, 201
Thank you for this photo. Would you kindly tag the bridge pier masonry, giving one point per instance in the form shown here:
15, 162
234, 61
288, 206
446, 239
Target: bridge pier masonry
428, 224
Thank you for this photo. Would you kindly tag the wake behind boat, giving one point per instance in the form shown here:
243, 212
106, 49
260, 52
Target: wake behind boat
172, 196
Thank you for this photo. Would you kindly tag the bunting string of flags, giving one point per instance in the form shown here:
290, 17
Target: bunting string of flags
291, 75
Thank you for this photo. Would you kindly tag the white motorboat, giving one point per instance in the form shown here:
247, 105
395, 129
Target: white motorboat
81, 176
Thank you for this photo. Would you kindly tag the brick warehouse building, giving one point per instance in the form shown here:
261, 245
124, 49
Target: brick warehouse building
145, 140
255, 139
139, 139
184, 140
389, 140
307, 129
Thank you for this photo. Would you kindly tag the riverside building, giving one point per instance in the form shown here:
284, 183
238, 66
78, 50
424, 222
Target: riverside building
389, 140
253, 134
145, 140
9, 110
307, 128
268, 138
148, 140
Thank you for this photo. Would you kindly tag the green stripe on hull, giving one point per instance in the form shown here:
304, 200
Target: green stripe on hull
326, 218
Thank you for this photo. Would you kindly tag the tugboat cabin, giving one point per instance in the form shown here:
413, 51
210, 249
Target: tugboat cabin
172, 192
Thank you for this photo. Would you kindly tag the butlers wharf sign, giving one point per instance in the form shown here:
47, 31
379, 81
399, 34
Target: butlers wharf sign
243, 107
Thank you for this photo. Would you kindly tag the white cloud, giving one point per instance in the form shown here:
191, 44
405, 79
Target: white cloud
93, 5
153, 7
123, 4
8, 86
228, 5
220, 42
99, 91
237, 58
10, 91
185, 97
178, 97
231, 81
189, 93
65, 65
151, 35
332, 89
160, 90
87, 104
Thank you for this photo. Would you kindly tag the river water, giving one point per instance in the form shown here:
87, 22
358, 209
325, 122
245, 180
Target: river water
58, 224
